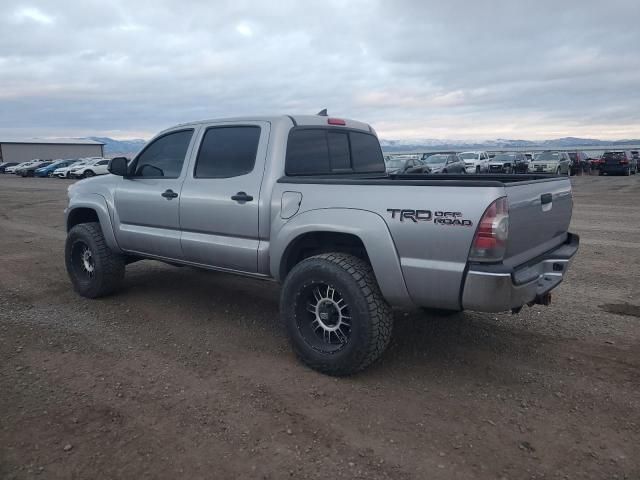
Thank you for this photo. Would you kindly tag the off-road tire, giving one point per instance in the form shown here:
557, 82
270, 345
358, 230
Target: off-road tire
109, 266
371, 316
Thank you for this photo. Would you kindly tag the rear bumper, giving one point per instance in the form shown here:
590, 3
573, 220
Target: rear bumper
615, 168
498, 288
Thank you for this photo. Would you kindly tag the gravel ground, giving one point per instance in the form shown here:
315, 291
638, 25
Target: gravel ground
187, 374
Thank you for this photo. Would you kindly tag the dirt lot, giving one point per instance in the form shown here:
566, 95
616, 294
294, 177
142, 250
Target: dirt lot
187, 374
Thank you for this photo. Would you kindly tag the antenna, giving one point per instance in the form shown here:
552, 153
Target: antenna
323, 113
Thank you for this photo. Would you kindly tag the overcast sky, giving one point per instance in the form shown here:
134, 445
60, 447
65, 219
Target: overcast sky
414, 69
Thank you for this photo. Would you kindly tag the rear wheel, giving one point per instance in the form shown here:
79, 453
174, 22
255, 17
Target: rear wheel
335, 315
627, 172
94, 269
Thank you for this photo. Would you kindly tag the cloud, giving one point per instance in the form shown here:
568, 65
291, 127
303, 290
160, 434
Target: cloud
412, 68
31, 14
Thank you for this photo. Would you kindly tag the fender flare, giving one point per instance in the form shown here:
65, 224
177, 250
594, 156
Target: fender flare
98, 204
369, 227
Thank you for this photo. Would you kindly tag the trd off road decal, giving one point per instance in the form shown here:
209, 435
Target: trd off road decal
439, 217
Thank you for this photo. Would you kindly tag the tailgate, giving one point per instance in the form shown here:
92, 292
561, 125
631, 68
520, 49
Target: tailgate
539, 217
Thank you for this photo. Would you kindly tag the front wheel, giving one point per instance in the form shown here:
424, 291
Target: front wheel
335, 315
88, 173
94, 269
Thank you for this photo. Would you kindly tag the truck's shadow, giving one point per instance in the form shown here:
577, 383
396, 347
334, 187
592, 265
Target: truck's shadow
420, 339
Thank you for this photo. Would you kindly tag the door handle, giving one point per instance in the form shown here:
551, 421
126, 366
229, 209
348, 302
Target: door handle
546, 198
242, 197
169, 194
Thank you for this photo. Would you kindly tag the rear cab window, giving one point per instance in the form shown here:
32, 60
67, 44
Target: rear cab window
325, 151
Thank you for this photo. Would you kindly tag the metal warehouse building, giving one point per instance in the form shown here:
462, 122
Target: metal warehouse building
48, 149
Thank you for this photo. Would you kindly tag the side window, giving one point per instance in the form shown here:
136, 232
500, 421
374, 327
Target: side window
307, 152
164, 157
227, 152
366, 153
103, 162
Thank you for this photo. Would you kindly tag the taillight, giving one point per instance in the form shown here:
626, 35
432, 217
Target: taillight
624, 161
336, 121
490, 241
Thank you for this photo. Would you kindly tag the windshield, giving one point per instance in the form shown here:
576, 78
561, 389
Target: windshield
436, 159
504, 157
394, 163
469, 156
555, 156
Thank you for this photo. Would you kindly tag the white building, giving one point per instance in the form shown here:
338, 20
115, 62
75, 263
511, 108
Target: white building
16, 150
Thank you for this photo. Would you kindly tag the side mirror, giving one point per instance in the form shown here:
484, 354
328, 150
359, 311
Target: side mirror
118, 166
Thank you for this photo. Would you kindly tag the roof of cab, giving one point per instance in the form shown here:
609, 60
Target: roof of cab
294, 120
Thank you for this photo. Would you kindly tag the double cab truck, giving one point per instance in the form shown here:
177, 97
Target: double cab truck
305, 201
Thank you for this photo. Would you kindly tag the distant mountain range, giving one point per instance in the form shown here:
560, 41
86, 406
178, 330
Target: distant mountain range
127, 148
130, 147
499, 143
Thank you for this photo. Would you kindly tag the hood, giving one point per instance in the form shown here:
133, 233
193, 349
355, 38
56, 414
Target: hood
436, 166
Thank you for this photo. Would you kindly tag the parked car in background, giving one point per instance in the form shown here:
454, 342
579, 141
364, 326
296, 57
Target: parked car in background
529, 157
399, 164
551, 162
90, 169
31, 169
47, 170
15, 169
620, 162
595, 162
509, 162
444, 163
65, 172
579, 163
5, 165
475, 162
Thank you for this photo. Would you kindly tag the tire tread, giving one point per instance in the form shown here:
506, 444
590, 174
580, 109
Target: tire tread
380, 313
112, 263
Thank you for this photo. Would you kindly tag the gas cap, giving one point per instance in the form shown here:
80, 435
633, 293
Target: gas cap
290, 204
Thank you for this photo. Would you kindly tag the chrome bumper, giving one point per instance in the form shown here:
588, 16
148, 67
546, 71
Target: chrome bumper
498, 288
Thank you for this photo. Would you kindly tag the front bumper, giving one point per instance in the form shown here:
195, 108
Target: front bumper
499, 168
547, 168
499, 288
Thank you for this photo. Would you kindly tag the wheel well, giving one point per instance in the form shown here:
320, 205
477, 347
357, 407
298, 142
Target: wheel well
81, 215
314, 243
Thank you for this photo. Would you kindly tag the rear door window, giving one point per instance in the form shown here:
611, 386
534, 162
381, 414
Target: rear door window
227, 152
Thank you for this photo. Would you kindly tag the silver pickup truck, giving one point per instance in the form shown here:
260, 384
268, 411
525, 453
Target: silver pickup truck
305, 201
